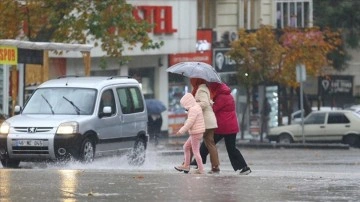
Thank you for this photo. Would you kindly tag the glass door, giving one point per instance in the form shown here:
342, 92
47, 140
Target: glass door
4, 92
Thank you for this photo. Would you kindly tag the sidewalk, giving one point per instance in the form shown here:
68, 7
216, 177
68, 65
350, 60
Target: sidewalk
176, 143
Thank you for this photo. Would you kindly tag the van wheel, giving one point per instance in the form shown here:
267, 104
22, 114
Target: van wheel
285, 139
87, 152
9, 163
136, 157
352, 140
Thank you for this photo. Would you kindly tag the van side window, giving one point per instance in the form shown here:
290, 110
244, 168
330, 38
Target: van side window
137, 99
130, 100
107, 99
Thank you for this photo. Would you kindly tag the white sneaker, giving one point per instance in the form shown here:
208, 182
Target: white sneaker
245, 171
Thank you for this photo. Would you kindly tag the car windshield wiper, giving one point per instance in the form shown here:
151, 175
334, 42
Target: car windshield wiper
77, 109
47, 101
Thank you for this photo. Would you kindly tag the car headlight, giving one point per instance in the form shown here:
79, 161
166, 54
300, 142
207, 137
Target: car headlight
68, 128
5, 128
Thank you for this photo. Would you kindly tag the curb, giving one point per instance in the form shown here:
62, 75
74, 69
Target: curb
267, 145
292, 146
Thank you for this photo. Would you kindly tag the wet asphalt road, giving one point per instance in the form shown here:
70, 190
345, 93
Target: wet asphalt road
278, 175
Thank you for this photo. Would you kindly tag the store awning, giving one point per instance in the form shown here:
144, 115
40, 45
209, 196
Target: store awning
46, 45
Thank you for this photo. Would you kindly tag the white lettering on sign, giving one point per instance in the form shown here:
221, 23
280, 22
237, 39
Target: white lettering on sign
337, 85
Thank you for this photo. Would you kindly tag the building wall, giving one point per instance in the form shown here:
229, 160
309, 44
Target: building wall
182, 41
354, 69
184, 13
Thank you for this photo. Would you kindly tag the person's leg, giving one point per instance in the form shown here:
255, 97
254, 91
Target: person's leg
210, 144
195, 145
185, 165
187, 152
235, 156
204, 151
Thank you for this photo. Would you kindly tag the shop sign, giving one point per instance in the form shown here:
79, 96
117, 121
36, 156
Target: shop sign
336, 84
29, 56
160, 16
203, 46
8, 55
222, 61
189, 57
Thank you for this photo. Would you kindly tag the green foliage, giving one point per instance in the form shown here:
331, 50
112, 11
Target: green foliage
107, 22
344, 16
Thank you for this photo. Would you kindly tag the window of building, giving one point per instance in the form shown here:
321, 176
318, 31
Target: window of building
206, 10
293, 13
145, 76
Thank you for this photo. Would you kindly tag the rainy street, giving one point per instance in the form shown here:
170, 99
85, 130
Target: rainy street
277, 175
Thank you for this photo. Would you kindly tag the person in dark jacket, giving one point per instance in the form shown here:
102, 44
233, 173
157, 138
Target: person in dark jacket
154, 126
228, 127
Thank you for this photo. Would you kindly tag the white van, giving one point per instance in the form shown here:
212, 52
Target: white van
77, 118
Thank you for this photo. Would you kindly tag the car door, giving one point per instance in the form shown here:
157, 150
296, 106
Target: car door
337, 125
127, 116
314, 126
109, 127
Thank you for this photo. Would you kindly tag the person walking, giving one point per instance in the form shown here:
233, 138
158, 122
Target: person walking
228, 127
154, 126
195, 125
202, 96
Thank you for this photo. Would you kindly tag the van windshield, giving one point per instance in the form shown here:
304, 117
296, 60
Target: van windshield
79, 101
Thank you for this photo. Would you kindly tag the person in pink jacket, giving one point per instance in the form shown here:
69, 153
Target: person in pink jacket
195, 126
228, 127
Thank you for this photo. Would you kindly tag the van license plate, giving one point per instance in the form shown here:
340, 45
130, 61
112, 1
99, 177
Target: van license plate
32, 143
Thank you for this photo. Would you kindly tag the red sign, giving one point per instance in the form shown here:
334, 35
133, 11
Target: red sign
203, 55
160, 16
189, 57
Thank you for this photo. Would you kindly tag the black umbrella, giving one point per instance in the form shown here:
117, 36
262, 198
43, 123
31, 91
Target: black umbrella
154, 106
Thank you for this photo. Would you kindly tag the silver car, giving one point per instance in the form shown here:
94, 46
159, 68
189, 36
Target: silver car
77, 118
341, 126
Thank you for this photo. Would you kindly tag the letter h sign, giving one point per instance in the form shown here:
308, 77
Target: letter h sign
160, 16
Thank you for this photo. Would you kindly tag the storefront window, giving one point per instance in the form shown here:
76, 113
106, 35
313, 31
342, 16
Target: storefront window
177, 88
145, 76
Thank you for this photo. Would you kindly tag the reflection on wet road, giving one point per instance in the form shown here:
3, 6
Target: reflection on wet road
278, 175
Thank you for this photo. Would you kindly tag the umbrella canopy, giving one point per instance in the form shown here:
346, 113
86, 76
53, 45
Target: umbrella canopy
196, 70
154, 106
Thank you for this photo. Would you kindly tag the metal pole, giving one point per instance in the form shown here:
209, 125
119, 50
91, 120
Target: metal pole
301, 77
302, 111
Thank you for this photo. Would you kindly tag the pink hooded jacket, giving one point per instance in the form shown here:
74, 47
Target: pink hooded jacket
194, 123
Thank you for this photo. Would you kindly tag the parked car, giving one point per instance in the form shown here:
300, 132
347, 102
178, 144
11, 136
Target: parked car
341, 126
355, 108
296, 116
77, 118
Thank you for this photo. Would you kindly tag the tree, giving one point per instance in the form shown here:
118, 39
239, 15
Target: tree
311, 47
340, 15
106, 22
343, 15
256, 54
262, 58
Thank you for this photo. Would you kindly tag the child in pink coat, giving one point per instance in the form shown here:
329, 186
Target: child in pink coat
195, 126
